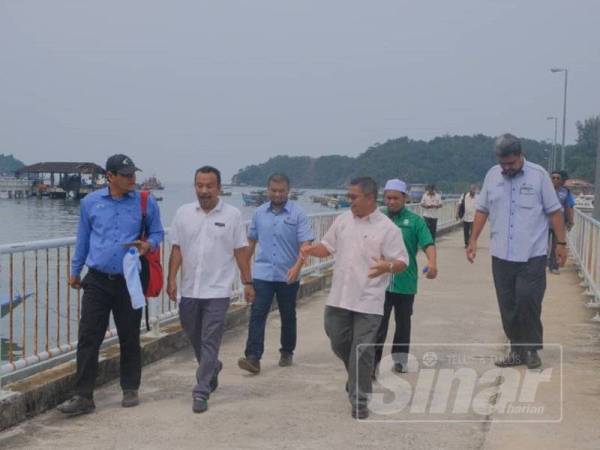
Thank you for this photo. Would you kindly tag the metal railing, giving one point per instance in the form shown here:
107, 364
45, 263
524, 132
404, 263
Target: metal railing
40, 314
584, 246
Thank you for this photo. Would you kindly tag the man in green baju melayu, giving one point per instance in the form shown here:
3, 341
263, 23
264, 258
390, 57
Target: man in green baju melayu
400, 294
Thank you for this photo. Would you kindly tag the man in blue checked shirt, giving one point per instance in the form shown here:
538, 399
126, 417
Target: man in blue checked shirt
110, 221
281, 228
518, 198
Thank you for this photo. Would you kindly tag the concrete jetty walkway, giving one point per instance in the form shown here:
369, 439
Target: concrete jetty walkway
305, 406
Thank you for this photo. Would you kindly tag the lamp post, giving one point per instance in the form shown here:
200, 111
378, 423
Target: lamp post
554, 149
562, 153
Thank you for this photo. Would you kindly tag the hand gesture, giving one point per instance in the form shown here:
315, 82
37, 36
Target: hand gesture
294, 273
172, 290
380, 267
431, 272
249, 293
471, 251
561, 255
75, 282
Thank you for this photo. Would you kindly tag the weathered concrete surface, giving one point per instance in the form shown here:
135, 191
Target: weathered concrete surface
305, 406
44, 390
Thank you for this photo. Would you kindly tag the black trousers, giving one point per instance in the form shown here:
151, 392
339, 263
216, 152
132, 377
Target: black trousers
102, 295
432, 225
520, 288
467, 229
402, 304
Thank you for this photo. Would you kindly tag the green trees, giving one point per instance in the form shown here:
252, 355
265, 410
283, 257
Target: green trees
581, 157
8, 164
451, 162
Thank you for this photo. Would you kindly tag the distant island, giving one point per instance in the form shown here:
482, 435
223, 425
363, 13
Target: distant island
9, 164
451, 162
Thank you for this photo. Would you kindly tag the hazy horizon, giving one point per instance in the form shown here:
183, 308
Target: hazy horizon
181, 84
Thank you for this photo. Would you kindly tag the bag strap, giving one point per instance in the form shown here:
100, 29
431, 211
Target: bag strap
144, 204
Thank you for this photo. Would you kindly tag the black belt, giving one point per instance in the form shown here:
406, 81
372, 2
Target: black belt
108, 276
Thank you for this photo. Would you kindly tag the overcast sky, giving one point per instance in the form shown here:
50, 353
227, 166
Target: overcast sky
177, 84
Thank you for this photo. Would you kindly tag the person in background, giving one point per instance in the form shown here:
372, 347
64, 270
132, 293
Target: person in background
109, 218
400, 294
518, 198
431, 202
466, 206
368, 248
281, 228
208, 238
567, 203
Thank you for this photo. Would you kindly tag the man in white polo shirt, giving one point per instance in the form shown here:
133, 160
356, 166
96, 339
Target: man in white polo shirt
207, 237
368, 247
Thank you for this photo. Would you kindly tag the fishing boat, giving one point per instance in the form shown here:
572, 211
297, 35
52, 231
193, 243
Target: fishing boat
151, 184
254, 198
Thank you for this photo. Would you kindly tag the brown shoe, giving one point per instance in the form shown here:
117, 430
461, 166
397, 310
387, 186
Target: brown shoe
130, 398
250, 364
286, 359
77, 405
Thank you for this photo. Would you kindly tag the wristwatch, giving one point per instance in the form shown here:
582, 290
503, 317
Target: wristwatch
561, 243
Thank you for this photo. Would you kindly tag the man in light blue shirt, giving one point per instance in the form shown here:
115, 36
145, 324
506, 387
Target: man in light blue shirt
280, 227
520, 201
110, 218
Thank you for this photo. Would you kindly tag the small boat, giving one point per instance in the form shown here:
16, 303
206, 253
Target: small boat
151, 184
254, 198
584, 202
224, 193
295, 194
17, 300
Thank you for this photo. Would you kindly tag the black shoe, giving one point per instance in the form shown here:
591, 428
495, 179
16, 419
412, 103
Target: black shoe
510, 360
130, 398
532, 359
360, 412
214, 381
77, 405
285, 359
398, 368
200, 405
250, 364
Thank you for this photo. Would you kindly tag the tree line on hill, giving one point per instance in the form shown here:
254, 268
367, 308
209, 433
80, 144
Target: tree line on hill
451, 162
9, 164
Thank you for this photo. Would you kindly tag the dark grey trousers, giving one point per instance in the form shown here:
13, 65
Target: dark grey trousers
347, 330
520, 288
203, 321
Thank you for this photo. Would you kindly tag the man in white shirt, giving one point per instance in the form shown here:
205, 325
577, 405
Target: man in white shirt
207, 238
467, 206
431, 202
368, 247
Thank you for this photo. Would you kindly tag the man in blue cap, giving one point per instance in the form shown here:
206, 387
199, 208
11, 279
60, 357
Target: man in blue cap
400, 294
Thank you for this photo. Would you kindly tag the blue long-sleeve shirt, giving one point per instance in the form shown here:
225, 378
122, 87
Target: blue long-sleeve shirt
105, 223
